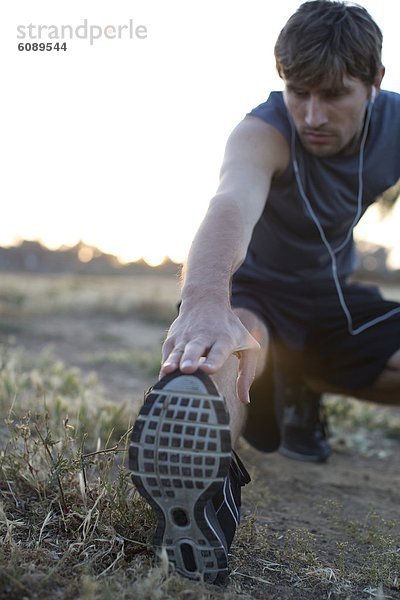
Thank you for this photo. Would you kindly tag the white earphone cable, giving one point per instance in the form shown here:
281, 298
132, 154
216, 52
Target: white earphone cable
333, 252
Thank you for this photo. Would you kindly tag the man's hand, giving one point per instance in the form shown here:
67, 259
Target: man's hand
204, 338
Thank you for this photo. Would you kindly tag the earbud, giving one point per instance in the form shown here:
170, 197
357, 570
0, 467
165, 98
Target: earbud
373, 94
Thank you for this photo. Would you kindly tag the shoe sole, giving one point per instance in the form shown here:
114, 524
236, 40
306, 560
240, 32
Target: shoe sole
179, 456
304, 457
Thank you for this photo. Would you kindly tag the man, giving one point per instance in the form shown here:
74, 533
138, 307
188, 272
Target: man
266, 288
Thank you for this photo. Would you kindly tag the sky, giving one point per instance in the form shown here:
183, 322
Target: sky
117, 141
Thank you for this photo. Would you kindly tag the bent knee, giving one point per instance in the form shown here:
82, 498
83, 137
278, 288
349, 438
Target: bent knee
394, 362
389, 379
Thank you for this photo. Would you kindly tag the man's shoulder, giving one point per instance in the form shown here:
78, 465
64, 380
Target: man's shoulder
388, 99
275, 99
395, 96
386, 114
273, 111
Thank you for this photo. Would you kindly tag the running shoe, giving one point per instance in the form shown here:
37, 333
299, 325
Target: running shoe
304, 430
182, 463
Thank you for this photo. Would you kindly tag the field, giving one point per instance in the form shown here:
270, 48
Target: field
76, 355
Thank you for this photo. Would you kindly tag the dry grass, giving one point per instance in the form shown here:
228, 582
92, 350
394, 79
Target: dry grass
71, 523
149, 297
362, 427
148, 362
70, 520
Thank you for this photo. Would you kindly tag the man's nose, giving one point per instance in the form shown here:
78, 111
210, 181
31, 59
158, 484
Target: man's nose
315, 113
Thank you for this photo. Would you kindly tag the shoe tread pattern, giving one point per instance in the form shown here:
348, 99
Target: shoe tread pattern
179, 455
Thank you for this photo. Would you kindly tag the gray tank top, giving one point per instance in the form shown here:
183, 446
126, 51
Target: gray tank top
286, 245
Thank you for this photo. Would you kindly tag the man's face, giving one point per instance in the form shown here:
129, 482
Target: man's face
328, 118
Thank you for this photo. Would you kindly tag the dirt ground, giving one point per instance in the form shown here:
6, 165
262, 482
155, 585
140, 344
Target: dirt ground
341, 517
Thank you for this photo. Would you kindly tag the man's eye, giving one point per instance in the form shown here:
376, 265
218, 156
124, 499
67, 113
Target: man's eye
334, 93
300, 93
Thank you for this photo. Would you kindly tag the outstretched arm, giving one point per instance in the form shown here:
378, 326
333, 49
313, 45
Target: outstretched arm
206, 325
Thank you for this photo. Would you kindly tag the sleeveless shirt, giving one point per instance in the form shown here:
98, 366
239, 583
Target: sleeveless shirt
286, 245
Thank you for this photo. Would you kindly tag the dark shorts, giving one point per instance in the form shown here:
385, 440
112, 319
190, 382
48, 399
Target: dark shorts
309, 328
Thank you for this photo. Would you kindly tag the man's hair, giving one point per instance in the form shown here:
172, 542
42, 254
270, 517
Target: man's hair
325, 40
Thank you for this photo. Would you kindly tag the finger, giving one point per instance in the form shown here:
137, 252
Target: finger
167, 348
171, 362
221, 351
246, 373
193, 355
217, 355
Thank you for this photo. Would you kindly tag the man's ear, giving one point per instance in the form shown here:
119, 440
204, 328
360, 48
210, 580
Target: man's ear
378, 79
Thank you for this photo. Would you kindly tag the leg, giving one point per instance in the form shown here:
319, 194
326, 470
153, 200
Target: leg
350, 363
225, 380
385, 390
283, 413
226, 377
